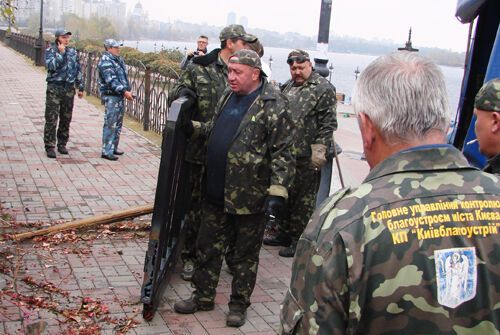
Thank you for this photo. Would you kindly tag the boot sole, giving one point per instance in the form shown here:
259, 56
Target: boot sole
276, 244
192, 311
234, 324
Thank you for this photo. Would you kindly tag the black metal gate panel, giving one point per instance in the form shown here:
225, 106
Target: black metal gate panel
170, 207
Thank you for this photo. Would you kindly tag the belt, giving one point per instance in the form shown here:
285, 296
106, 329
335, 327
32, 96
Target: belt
61, 84
112, 94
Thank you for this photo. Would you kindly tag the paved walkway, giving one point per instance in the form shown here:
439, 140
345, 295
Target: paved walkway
99, 264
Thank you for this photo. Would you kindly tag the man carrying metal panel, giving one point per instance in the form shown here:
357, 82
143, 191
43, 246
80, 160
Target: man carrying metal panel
204, 80
249, 167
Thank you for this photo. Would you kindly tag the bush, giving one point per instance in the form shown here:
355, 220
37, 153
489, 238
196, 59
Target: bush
166, 62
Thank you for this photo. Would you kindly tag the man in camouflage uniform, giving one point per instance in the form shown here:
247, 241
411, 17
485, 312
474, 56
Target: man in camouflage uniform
114, 86
63, 75
204, 80
249, 168
487, 126
314, 109
414, 248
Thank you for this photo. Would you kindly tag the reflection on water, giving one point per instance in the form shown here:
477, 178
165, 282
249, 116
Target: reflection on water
344, 65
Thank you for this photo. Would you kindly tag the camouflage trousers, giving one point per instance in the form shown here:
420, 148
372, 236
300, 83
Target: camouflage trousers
301, 199
217, 231
58, 107
188, 253
113, 121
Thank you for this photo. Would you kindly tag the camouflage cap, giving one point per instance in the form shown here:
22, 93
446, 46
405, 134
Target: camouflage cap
247, 57
488, 97
256, 46
111, 43
236, 31
299, 53
61, 32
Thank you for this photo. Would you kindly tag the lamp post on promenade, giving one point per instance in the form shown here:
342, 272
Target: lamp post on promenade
330, 68
323, 35
39, 44
356, 72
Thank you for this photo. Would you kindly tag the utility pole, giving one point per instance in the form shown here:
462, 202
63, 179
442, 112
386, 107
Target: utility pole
323, 36
39, 44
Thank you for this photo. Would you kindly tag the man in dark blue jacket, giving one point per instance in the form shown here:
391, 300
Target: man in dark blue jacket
114, 86
63, 75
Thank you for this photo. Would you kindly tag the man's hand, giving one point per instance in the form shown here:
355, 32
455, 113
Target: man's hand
185, 123
80, 94
61, 47
187, 92
274, 207
318, 155
128, 95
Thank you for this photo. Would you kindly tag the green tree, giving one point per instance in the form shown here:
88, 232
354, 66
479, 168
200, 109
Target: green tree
7, 9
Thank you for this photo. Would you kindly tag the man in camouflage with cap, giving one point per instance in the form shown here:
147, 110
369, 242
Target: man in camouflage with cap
414, 248
314, 109
63, 76
204, 80
487, 127
114, 87
249, 167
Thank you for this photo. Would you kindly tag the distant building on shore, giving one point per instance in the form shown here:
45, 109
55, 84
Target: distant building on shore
231, 18
55, 9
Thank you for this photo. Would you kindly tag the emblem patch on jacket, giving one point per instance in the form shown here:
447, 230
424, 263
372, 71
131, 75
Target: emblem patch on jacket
456, 275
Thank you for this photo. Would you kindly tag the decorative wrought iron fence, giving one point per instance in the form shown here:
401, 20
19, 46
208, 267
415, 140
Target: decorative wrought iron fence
150, 106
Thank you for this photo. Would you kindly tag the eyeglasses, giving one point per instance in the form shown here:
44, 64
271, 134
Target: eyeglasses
298, 59
202, 42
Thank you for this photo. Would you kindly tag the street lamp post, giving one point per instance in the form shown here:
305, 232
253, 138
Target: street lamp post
330, 68
356, 72
39, 43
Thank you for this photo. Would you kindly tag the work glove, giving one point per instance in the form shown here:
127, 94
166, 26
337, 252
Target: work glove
185, 123
187, 92
274, 207
318, 155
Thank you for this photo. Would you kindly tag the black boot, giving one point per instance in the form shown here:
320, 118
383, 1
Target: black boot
290, 250
192, 305
62, 150
51, 153
279, 239
237, 316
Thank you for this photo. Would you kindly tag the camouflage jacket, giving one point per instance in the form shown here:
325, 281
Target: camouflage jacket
314, 111
261, 152
412, 250
113, 79
207, 77
63, 69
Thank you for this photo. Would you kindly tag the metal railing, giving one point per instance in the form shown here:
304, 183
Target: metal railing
150, 106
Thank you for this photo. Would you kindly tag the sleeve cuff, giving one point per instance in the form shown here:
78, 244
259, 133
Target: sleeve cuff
278, 190
196, 128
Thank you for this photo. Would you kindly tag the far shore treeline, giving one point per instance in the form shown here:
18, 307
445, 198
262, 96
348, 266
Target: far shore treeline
89, 33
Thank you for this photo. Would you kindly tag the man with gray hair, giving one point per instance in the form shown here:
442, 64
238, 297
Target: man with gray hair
414, 248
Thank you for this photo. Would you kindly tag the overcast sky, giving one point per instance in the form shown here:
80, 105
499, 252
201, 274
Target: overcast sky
433, 21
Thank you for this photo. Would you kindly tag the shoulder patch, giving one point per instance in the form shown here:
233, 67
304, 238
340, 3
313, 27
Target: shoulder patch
456, 275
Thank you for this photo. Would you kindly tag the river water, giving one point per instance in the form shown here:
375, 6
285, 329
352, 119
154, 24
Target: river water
342, 76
